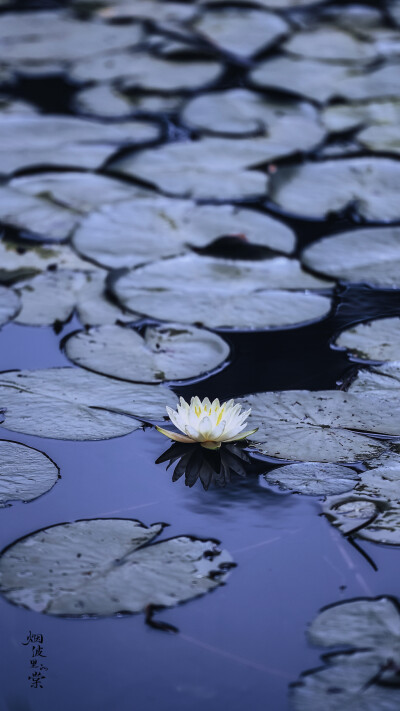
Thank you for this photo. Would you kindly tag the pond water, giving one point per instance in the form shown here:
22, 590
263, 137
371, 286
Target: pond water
244, 643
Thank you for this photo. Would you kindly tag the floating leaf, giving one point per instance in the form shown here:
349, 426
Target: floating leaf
218, 168
100, 567
143, 71
81, 192
377, 495
332, 44
362, 678
30, 141
54, 295
239, 111
47, 37
9, 305
313, 478
374, 340
18, 262
384, 377
370, 255
321, 426
322, 81
222, 293
25, 473
106, 101
155, 10
317, 189
71, 403
344, 117
168, 352
241, 31
36, 215
130, 233
385, 139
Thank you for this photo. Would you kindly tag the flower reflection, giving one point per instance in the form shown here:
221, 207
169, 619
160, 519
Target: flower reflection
195, 462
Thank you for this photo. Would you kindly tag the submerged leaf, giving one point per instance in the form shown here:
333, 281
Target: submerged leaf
313, 479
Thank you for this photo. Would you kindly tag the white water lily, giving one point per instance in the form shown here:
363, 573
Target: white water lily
208, 423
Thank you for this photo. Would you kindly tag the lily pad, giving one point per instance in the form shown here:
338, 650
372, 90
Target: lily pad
331, 44
106, 101
317, 189
141, 70
219, 168
36, 215
71, 403
30, 141
241, 31
322, 81
370, 255
10, 106
155, 10
222, 293
19, 262
313, 478
362, 677
78, 191
103, 567
383, 377
378, 493
134, 232
239, 111
343, 117
47, 37
52, 297
9, 305
385, 139
25, 473
168, 352
375, 340
321, 426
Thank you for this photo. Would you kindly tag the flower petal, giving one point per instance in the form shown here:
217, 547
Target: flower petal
175, 435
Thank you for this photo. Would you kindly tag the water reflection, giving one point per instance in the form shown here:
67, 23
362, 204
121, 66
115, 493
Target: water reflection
210, 466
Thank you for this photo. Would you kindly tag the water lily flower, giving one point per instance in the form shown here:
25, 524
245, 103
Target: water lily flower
208, 423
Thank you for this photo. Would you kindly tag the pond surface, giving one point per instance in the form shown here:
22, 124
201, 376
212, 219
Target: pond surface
244, 643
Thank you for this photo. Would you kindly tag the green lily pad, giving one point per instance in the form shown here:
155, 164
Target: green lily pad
130, 233
321, 426
241, 31
239, 111
9, 305
317, 189
25, 473
71, 403
221, 293
168, 352
30, 141
370, 255
374, 340
362, 677
313, 478
103, 567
